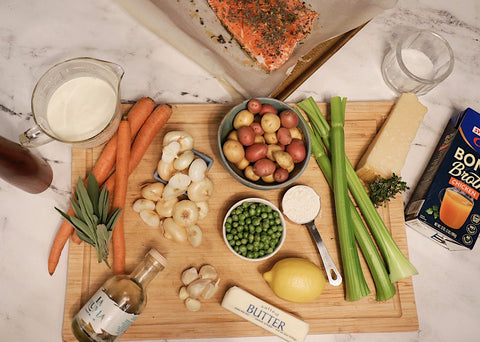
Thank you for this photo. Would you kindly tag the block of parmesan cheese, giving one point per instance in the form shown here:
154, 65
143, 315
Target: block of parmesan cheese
388, 150
265, 315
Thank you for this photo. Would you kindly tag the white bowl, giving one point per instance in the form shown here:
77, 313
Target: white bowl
282, 238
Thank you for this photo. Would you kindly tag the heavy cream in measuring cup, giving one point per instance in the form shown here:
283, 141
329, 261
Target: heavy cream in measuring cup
81, 108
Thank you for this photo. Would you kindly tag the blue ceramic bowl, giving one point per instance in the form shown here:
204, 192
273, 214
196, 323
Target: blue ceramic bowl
226, 126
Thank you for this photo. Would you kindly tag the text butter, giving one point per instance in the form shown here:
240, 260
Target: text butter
445, 205
265, 315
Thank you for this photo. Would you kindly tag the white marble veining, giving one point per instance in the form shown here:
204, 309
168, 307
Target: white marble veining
36, 34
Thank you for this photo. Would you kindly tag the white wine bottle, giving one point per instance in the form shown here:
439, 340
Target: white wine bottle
116, 305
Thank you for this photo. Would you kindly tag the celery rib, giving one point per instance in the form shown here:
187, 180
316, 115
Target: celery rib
355, 284
398, 265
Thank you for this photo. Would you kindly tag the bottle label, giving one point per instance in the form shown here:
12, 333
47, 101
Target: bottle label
104, 315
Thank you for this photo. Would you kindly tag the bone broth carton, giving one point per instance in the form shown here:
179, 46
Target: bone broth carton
445, 205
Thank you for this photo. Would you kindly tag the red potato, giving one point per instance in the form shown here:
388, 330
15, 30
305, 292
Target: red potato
283, 136
256, 152
296, 149
266, 108
289, 118
280, 175
254, 106
257, 128
246, 135
264, 167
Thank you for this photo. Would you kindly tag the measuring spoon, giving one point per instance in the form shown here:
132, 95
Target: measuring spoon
301, 204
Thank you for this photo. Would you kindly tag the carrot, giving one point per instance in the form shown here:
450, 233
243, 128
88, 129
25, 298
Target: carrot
120, 194
102, 169
150, 128
59, 241
136, 116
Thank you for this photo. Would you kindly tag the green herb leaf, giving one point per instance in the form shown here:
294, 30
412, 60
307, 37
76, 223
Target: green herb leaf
93, 192
91, 221
382, 190
113, 218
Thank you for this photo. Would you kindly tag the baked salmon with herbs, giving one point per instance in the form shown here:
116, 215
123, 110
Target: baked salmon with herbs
267, 29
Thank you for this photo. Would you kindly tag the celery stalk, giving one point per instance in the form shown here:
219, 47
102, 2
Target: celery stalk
355, 284
398, 265
384, 287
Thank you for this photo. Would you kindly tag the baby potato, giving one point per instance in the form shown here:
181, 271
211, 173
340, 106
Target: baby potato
233, 151
271, 138
296, 133
259, 139
266, 108
283, 135
284, 160
233, 135
280, 175
243, 118
256, 152
264, 167
271, 149
246, 135
242, 164
269, 178
248, 172
288, 118
296, 149
254, 106
270, 122
257, 128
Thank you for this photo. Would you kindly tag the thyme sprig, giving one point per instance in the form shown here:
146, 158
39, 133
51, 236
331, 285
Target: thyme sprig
92, 222
382, 190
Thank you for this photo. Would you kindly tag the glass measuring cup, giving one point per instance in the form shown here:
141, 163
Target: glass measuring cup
103, 73
301, 204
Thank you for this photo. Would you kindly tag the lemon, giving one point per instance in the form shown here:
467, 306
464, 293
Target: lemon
296, 280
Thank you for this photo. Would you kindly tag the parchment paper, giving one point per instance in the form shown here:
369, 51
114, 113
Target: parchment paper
193, 29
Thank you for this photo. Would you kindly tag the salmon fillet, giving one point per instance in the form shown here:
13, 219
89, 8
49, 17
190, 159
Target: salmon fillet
267, 29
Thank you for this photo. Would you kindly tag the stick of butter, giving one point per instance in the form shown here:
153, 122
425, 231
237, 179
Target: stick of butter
388, 150
265, 315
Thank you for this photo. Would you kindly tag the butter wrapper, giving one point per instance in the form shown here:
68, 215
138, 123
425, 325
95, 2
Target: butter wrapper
265, 315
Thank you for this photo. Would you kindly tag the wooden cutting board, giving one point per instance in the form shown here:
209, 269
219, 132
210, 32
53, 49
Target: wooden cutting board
165, 316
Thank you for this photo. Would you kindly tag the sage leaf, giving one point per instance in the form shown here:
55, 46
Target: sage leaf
93, 191
113, 218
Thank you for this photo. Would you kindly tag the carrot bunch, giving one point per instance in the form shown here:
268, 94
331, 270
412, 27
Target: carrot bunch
119, 158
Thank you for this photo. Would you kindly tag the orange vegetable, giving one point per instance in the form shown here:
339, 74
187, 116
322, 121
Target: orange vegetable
59, 241
102, 169
136, 117
150, 128
120, 194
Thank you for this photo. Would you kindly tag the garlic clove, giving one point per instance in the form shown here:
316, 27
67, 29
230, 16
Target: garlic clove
208, 272
182, 293
210, 290
192, 304
196, 287
189, 275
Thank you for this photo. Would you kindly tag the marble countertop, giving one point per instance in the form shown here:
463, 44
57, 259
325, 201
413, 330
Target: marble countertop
37, 34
